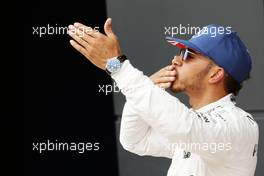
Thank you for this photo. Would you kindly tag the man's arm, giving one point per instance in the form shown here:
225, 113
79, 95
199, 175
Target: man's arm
154, 105
138, 137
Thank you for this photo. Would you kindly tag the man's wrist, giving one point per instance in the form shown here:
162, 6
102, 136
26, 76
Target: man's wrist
114, 64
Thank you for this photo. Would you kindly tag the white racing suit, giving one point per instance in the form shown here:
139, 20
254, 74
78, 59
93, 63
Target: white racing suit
218, 139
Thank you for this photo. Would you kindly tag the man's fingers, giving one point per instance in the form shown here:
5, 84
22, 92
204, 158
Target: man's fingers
89, 39
108, 28
79, 48
164, 85
79, 39
165, 79
82, 50
169, 67
166, 73
87, 30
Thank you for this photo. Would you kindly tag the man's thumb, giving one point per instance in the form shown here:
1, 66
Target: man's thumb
108, 28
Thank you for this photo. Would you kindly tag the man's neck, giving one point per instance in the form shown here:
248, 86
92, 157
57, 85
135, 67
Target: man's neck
198, 100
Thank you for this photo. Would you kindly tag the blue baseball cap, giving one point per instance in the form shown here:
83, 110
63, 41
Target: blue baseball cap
223, 46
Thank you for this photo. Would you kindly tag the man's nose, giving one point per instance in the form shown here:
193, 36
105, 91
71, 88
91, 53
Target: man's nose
177, 61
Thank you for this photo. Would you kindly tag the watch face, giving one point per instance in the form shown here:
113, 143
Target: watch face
113, 65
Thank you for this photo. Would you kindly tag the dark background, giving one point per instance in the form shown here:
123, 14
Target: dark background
59, 95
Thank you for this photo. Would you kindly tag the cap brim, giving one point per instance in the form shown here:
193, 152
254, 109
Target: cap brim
183, 44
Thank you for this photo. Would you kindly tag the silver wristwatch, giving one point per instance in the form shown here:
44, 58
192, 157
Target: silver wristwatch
114, 64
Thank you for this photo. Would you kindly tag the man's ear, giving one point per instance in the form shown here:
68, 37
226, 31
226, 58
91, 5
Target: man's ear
216, 75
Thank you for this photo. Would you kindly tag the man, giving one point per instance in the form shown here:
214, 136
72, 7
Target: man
214, 137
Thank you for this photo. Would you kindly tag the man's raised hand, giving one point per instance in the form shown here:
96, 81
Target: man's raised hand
95, 46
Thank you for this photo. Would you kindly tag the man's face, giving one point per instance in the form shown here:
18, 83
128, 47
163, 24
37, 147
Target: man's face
192, 73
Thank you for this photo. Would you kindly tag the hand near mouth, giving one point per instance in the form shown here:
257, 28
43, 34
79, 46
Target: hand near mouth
164, 77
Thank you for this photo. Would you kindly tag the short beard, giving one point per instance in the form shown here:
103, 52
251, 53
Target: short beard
196, 83
177, 90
